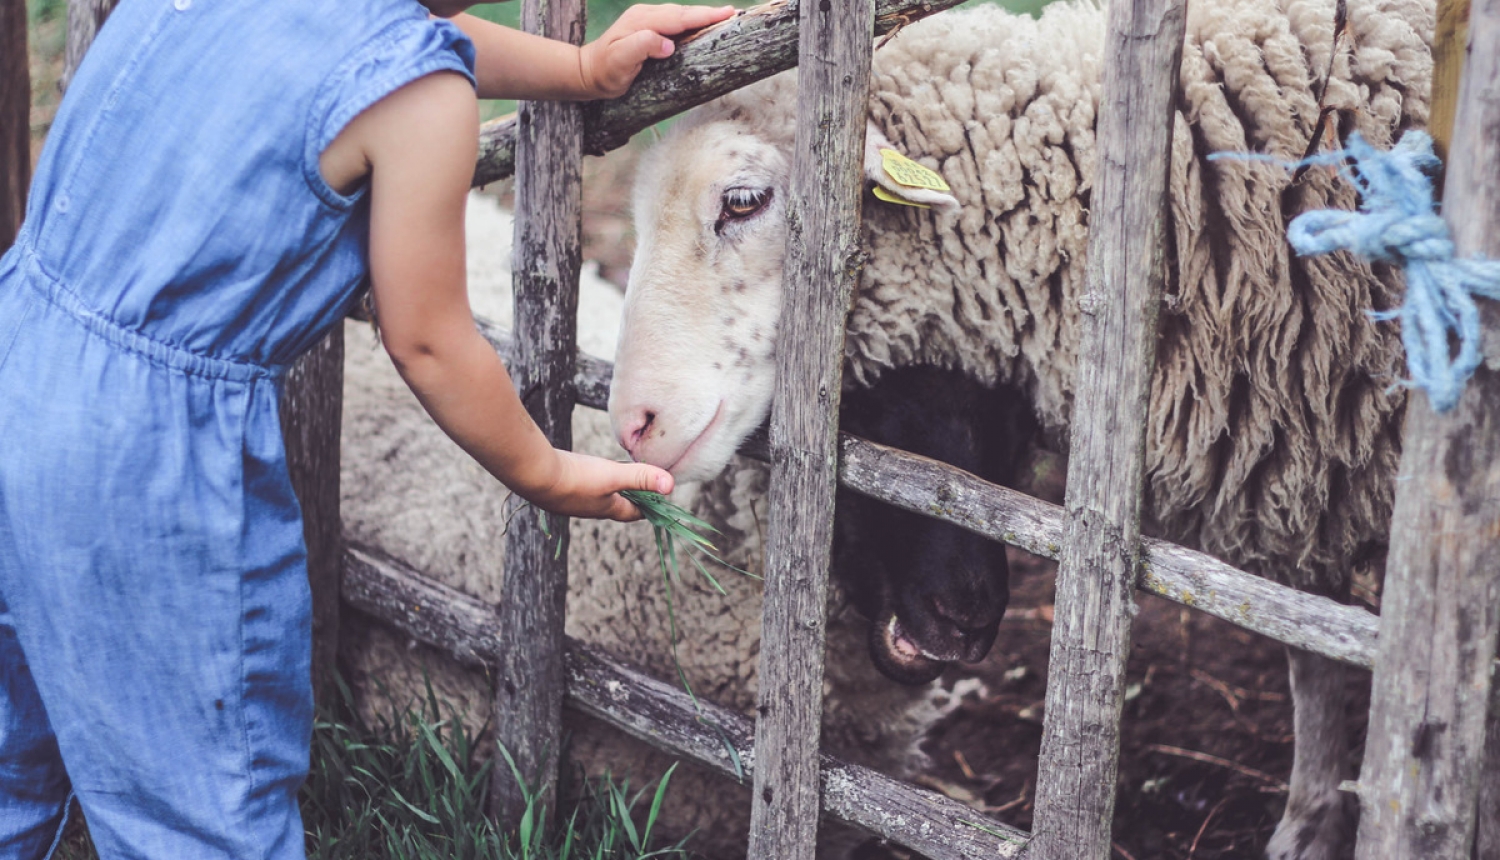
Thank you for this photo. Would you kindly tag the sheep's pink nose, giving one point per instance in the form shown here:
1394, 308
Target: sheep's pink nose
633, 429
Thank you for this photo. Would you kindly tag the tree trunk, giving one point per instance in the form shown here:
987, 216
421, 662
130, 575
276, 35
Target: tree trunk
15, 119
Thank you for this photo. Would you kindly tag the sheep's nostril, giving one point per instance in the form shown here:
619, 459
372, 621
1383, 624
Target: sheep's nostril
968, 617
633, 431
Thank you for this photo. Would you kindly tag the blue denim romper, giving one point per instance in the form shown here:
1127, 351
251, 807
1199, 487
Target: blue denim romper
180, 250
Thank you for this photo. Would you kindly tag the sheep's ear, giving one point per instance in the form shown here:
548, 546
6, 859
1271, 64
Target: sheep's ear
898, 179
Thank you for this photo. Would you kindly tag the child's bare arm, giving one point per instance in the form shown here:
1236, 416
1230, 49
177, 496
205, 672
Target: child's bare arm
517, 65
421, 144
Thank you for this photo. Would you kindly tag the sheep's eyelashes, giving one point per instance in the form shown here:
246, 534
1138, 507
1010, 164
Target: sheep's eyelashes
737, 204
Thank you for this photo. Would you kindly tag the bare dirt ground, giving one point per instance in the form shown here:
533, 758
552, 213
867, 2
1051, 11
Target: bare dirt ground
1206, 741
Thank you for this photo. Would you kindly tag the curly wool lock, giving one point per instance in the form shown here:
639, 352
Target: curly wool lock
1270, 397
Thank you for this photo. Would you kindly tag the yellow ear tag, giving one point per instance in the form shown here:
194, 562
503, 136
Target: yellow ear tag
909, 173
891, 198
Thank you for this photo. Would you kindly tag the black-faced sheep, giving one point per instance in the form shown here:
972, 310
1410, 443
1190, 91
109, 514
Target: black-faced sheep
1274, 434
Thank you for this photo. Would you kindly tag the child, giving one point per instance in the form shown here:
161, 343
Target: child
222, 179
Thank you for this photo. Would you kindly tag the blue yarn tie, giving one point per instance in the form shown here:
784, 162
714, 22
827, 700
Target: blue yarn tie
1396, 224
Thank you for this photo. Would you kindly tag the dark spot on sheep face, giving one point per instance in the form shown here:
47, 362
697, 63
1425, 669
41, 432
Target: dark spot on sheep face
933, 592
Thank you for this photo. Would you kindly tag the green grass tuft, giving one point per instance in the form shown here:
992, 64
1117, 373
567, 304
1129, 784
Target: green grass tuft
673, 523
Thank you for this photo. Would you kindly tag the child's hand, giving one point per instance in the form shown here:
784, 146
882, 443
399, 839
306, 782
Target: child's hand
609, 64
588, 486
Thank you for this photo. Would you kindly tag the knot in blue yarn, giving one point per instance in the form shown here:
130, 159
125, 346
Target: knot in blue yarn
1396, 224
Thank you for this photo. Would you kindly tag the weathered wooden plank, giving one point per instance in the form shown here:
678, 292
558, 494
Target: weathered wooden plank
1450, 41
823, 259
665, 717
15, 120
1101, 538
85, 17
1441, 605
755, 44
312, 407
1450, 44
1189, 577
591, 375
426, 610
1179, 574
548, 257
1487, 820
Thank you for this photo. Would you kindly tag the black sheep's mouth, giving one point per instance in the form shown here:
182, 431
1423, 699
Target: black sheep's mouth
898, 656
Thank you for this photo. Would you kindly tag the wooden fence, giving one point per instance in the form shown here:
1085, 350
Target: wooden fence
1432, 667
15, 119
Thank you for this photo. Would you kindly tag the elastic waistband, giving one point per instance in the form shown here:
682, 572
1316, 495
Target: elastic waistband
174, 357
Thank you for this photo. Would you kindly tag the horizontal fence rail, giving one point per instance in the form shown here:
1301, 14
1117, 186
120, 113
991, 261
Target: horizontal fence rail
1191, 578
1181, 575
755, 44
665, 716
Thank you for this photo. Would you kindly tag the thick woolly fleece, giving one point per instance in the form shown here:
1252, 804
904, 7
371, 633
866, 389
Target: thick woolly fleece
410, 490
1274, 435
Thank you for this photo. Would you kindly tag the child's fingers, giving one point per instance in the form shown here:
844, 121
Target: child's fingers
670, 20
609, 65
649, 478
622, 510
639, 476
643, 44
635, 476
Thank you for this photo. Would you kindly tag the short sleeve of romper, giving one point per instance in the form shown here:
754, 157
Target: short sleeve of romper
180, 250
397, 56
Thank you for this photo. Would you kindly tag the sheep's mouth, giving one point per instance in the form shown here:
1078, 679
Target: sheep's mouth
682, 467
898, 656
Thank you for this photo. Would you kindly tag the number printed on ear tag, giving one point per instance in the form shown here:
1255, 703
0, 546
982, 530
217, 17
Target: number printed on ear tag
909, 173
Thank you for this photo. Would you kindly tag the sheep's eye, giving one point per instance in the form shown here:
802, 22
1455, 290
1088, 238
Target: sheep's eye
743, 202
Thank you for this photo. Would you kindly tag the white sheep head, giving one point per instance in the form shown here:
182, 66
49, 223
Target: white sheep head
695, 369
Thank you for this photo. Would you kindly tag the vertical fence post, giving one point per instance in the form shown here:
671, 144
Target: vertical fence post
1440, 610
1101, 547
549, 229
15, 119
312, 408
1450, 38
85, 17
1487, 816
823, 260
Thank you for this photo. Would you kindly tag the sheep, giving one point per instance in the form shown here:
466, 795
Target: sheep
411, 491
1274, 425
